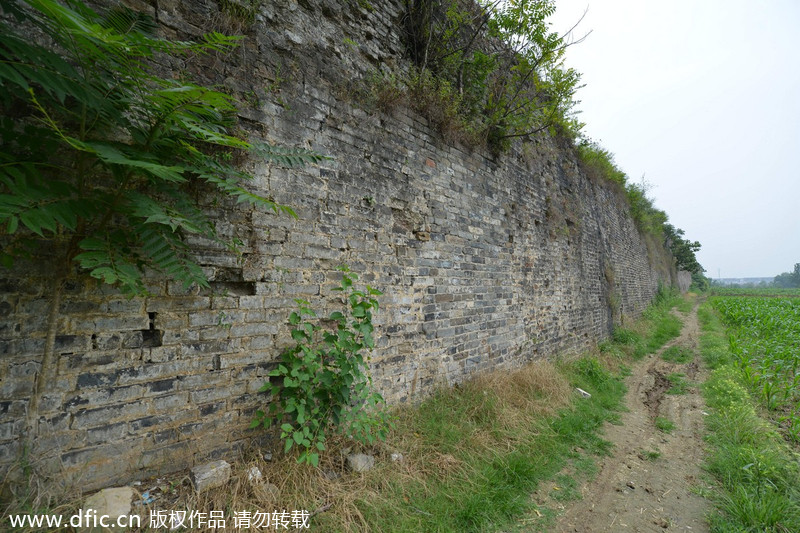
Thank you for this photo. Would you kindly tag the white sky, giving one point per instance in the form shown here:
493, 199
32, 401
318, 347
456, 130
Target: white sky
702, 97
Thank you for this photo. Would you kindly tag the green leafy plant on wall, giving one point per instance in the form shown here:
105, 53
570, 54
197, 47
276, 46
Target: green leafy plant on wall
244, 10
499, 60
102, 159
322, 382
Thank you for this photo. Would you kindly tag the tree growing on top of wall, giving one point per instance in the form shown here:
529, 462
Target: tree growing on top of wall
497, 61
683, 249
100, 154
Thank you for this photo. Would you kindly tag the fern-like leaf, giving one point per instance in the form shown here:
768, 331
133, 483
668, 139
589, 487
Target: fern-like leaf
124, 21
167, 253
104, 259
288, 157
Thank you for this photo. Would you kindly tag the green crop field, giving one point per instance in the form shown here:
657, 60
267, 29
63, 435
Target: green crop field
765, 339
756, 291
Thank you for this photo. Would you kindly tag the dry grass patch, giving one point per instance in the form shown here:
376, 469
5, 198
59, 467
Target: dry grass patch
537, 389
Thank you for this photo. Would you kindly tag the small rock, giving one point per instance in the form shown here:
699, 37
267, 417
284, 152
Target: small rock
296, 39
268, 456
113, 502
397, 457
359, 462
254, 475
210, 475
631, 485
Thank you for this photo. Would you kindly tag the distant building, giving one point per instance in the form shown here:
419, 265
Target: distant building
742, 282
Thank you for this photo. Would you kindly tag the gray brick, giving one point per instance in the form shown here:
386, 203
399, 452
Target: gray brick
90, 418
107, 324
208, 347
214, 394
109, 433
170, 402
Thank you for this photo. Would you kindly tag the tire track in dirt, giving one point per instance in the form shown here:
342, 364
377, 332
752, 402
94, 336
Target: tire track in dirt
649, 483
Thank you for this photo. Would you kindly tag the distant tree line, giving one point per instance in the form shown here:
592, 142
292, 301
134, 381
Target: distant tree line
788, 279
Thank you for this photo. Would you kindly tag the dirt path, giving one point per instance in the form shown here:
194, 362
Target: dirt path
647, 485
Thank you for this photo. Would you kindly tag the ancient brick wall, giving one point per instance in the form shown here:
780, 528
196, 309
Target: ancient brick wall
484, 262
684, 280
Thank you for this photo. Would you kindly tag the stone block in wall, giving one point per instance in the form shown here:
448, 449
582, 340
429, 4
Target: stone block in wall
684, 280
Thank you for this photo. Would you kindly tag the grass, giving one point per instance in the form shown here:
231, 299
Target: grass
649, 455
586, 466
755, 471
565, 489
685, 305
677, 354
664, 424
497, 449
679, 383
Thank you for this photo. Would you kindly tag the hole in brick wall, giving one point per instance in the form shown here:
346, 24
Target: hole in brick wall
228, 274
152, 337
234, 288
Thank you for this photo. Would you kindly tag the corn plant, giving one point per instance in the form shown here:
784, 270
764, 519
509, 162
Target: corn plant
765, 340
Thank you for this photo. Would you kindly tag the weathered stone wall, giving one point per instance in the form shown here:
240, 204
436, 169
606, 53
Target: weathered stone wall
483, 263
684, 280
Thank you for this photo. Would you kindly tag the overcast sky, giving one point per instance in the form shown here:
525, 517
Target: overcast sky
702, 98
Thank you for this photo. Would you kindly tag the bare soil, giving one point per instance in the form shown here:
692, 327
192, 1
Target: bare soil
651, 481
